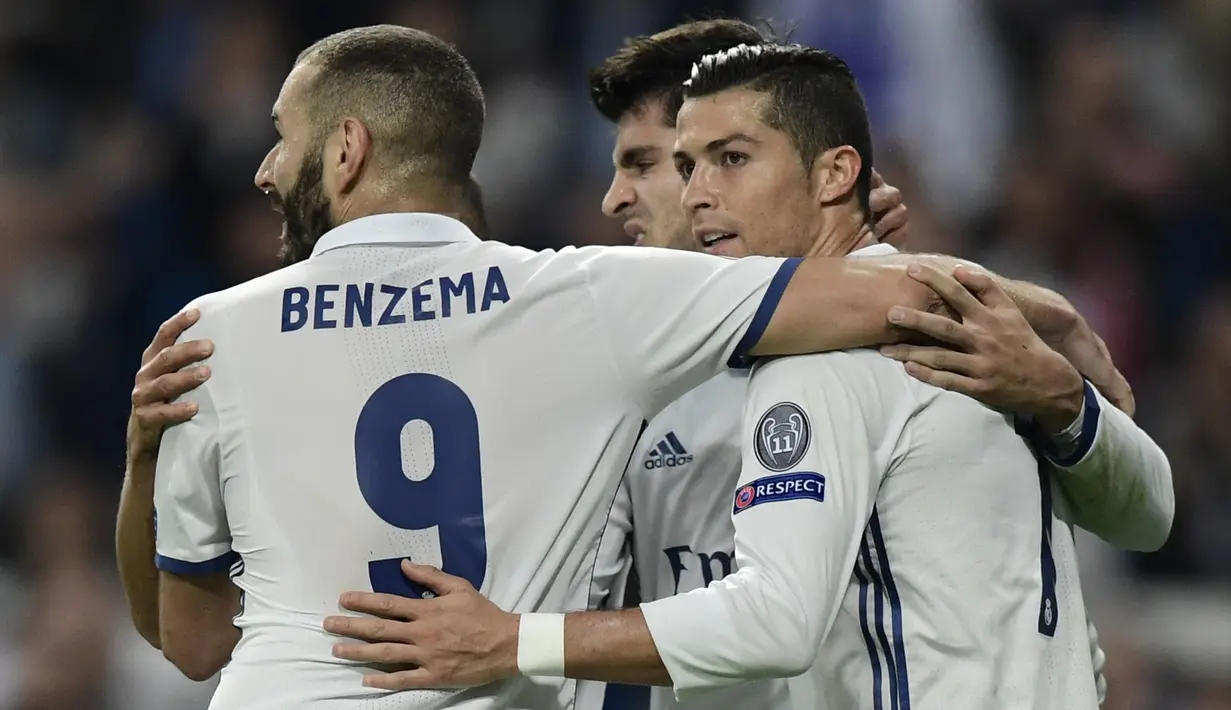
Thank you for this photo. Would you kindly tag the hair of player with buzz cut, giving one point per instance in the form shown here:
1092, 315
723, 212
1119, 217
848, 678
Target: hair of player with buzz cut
654, 67
417, 95
814, 99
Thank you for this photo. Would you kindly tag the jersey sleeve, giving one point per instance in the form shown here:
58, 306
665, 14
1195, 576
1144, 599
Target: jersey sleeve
808, 482
674, 319
192, 535
1117, 480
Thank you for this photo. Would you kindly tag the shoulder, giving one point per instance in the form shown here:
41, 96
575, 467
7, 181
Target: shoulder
601, 258
859, 371
220, 304
850, 391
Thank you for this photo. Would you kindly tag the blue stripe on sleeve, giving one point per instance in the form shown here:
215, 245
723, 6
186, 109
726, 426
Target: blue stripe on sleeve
895, 610
878, 591
221, 563
873, 655
765, 312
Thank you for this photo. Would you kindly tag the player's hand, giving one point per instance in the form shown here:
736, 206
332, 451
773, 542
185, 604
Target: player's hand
161, 379
993, 354
457, 639
888, 212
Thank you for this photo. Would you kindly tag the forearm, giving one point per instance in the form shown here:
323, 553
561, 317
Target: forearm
715, 637
1119, 483
135, 549
197, 622
835, 304
1049, 313
612, 646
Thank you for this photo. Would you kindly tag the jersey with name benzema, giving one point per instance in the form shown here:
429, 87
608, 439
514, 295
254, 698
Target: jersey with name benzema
410, 391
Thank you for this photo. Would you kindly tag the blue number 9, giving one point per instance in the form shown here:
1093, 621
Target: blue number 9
450, 498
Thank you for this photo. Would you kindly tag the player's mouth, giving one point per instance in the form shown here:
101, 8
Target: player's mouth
275, 203
635, 229
715, 240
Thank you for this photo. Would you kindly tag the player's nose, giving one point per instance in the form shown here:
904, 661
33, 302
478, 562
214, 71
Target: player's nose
620, 196
698, 194
264, 179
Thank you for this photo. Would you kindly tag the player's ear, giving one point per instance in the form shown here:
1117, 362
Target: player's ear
834, 174
352, 151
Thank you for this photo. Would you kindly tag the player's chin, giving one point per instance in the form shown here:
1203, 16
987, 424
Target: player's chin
655, 238
731, 247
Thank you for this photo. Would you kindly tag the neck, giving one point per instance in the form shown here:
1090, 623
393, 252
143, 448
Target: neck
843, 234
450, 201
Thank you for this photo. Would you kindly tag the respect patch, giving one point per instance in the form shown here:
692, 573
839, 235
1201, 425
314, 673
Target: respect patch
800, 485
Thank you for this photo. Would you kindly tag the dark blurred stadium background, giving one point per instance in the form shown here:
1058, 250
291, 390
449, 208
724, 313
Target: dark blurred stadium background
1083, 144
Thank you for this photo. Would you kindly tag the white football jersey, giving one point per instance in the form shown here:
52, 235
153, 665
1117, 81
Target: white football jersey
678, 487
412, 392
674, 507
964, 591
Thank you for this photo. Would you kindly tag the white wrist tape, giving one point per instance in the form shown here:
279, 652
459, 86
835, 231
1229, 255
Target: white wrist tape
540, 645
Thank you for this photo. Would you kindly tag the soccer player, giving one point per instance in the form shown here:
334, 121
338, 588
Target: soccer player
677, 486
892, 449
683, 538
402, 388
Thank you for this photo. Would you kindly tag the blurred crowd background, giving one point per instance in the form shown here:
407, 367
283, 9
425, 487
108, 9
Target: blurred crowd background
1082, 144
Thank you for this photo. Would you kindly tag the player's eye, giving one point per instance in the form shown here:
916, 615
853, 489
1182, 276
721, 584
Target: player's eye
732, 159
684, 168
644, 166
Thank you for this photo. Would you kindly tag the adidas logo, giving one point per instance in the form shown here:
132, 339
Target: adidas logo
668, 454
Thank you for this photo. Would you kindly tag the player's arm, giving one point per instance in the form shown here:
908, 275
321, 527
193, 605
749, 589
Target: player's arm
1116, 478
834, 304
1051, 316
159, 382
795, 551
197, 601
1114, 475
800, 512
795, 546
674, 319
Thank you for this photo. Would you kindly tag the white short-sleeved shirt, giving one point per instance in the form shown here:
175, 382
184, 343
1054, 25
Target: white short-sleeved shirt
411, 391
964, 591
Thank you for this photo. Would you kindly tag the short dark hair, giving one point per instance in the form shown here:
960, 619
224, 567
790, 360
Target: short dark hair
814, 100
655, 66
415, 92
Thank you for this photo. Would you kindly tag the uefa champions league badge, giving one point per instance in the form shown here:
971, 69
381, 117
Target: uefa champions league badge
745, 497
782, 436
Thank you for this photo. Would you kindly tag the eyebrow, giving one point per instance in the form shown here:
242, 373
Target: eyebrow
724, 142
631, 156
718, 144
